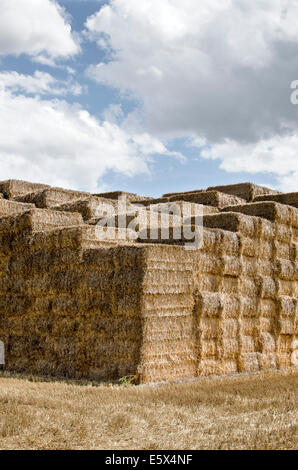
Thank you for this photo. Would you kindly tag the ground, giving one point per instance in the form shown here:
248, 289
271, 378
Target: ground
243, 412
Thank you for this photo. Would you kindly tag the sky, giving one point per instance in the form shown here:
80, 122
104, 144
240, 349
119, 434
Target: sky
149, 96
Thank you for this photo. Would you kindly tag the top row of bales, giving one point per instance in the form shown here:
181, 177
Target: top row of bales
244, 191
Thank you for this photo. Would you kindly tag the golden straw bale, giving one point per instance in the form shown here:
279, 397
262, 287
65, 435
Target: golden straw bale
268, 307
267, 361
208, 198
208, 348
248, 362
90, 207
49, 198
210, 367
267, 342
285, 269
209, 304
8, 208
287, 306
228, 348
247, 191
272, 211
290, 199
183, 192
246, 343
14, 188
131, 197
232, 221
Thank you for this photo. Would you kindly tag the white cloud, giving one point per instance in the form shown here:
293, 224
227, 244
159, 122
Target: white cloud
39, 28
40, 83
218, 70
54, 142
277, 155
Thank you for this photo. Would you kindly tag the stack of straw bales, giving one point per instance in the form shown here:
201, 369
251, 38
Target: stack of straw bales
74, 304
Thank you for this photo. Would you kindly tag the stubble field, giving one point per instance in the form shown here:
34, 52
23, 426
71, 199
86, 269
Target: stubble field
244, 412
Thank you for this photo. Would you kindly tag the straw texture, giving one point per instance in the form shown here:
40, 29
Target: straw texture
76, 301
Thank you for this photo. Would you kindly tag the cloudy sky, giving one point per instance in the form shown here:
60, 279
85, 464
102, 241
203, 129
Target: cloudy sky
149, 96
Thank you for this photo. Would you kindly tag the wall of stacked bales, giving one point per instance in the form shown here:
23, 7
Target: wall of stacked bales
246, 291
73, 306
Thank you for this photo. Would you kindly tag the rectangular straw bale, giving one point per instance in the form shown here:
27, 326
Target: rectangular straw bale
287, 306
90, 207
8, 208
208, 348
287, 288
285, 269
290, 199
232, 266
247, 191
268, 307
131, 197
228, 348
249, 305
288, 326
209, 367
248, 362
49, 198
267, 342
209, 304
284, 233
233, 222
268, 210
221, 242
246, 343
229, 285
183, 192
208, 263
208, 198
15, 188
150, 201
267, 361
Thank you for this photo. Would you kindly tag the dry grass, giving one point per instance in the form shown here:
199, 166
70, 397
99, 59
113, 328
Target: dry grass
244, 412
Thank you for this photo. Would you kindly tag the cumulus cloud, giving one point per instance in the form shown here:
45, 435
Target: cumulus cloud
277, 155
39, 28
218, 70
58, 143
40, 83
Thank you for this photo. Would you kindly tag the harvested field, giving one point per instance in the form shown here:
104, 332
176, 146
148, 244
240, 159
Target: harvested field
244, 412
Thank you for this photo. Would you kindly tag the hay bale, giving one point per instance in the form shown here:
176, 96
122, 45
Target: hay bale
183, 192
49, 198
9, 208
91, 208
247, 191
208, 198
15, 188
131, 197
272, 211
290, 199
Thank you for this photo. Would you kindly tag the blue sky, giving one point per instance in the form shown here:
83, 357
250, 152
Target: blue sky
148, 96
